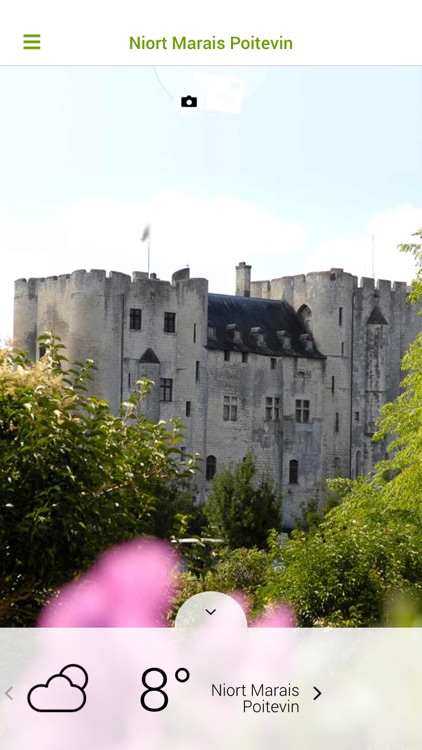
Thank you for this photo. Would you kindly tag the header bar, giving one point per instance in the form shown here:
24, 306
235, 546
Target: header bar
48, 32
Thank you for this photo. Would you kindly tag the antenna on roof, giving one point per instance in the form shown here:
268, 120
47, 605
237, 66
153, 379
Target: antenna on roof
147, 236
373, 257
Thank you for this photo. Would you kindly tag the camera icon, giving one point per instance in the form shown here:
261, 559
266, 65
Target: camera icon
189, 101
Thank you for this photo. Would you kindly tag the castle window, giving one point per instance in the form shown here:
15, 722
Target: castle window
135, 319
337, 423
302, 411
169, 322
212, 331
273, 361
188, 403
230, 408
358, 463
272, 409
342, 348
194, 333
244, 356
211, 468
42, 350
197, 371
357, 416
340, 316
166, 389
227, 356
293, 471
333, 383
333, 276
128, 380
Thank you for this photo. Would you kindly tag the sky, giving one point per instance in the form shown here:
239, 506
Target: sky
320, 163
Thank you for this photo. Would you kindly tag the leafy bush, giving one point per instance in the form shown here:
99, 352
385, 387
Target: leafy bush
239, 570
343, 575
74, 479
242, 510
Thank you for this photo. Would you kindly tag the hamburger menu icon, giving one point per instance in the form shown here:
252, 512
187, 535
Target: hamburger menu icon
63, 692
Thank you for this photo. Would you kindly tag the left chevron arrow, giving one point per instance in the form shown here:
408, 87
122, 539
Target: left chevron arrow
8, 693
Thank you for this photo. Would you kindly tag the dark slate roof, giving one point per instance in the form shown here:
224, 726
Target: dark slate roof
149, 356
247, 312
376, 318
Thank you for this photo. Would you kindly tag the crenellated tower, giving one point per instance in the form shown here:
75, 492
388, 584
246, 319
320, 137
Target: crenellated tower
364, 329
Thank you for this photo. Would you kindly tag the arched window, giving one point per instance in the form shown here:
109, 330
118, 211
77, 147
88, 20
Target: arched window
211, 467
293, 471
306, 314
358, 464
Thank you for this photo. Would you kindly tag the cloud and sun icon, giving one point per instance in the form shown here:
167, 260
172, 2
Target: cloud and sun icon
63, 692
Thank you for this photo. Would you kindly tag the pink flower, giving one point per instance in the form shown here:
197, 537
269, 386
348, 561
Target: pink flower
282, 616
129, 586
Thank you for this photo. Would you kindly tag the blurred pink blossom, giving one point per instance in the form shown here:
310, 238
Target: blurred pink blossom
282, 616
130, 586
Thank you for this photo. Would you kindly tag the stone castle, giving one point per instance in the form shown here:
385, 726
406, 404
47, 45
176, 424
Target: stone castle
295, 368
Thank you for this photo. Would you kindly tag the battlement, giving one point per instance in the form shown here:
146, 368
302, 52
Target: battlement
335, 274
82, 279
264, 287
80, 274
400, 286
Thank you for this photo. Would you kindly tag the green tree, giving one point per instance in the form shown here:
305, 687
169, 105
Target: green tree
315, 510
74, 479
240, 570
241, 509
345, 572
366, 553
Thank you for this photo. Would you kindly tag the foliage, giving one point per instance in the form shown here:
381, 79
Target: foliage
242, 510
174, 500
343, 573
199, 554
415, 249
240, 570
74, 479
315, 510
